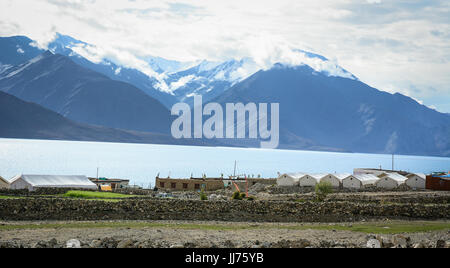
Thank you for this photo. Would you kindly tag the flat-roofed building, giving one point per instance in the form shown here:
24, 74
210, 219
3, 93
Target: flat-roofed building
194, 184
438, 182
113, 183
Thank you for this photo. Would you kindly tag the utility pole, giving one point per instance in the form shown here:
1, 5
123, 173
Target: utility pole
98, 185
392, 162
246, 186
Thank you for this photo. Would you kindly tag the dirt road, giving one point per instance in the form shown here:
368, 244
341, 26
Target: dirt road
170, 234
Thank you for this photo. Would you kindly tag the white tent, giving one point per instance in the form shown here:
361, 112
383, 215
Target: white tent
310, 180
4, 184
335, 179
390, 180
359, 181
32, 182
290, 179
416, 180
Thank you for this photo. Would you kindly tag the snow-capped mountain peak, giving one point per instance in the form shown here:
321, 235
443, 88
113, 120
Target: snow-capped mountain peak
167, 80
209, 78
317, 62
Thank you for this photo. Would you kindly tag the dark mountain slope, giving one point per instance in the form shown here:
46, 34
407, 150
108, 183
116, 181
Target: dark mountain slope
82, 95
17, 49
20, 119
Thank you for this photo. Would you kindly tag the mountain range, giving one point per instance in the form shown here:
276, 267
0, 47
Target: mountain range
20, 119
173, 82
322, 106
341, 113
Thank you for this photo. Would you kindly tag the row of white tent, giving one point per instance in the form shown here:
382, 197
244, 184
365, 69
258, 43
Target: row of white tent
355, 181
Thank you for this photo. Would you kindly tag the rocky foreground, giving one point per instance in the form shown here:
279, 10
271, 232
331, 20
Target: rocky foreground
205, 235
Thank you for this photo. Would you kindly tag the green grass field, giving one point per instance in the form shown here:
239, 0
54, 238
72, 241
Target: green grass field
106, 196
372, 228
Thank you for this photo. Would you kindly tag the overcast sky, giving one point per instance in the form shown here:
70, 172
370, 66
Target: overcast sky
397, 46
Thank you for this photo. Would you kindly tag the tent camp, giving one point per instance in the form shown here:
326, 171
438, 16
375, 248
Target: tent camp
290, 179
359, 181
416, 181
4, 184
335, 179
32, 182
390, 180
310, 180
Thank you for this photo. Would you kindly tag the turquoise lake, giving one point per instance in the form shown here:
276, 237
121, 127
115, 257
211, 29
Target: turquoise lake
141, 162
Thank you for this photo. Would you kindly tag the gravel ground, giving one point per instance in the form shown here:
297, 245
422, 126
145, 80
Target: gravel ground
267, 235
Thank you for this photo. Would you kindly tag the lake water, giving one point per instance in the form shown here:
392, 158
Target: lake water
141, 163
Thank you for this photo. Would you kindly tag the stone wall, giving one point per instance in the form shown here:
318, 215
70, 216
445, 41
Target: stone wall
392, 198
131, 191
261, 211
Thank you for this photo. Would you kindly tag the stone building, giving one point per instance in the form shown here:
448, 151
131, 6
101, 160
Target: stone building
208, 184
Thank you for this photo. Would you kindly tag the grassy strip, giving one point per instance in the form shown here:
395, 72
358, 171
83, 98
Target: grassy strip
372, 228
93, 199
383, 228
93, 195
10, 197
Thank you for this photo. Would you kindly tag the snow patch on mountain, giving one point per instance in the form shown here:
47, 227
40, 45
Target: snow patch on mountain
20, 50
203, 77
4, 68
183, 81
106, 56
162, 65
206, 66
11, 71
297, 57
